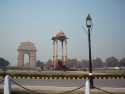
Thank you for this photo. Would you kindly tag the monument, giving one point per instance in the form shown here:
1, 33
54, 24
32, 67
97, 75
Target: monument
27, 48
62, 38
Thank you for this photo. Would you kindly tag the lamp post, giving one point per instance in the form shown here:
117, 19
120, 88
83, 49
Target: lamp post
89, 25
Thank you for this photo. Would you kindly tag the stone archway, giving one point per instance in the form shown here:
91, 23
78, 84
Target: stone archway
27, 48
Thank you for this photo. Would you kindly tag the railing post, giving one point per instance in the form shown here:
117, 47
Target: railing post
87, 86
7, 85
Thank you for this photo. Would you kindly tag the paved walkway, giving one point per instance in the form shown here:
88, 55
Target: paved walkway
51, 89
63, 89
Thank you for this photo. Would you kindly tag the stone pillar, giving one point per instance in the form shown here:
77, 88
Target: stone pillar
62, 53
32, 58
20, 58
66, 56
54, 55
56, 51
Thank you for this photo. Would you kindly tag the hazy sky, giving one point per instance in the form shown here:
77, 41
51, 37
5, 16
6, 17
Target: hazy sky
38, 20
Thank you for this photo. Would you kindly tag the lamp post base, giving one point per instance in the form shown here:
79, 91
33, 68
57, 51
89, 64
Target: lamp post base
91, 80
91, 83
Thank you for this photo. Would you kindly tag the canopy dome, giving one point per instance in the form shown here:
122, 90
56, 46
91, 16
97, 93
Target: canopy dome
59, 36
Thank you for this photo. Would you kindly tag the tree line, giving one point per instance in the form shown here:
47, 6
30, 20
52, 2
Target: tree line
74, 63
96, 63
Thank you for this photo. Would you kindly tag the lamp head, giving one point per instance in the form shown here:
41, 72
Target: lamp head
88, 21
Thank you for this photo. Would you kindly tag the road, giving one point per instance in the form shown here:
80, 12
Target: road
116, 83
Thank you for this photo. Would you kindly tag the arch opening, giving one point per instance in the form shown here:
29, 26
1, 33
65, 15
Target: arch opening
26, 60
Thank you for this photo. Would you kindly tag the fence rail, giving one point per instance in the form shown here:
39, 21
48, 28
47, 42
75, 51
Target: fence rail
64, 77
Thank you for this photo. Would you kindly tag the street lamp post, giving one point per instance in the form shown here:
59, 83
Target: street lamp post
89, 25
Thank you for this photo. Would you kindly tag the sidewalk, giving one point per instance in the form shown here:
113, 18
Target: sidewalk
64, 89
54, 89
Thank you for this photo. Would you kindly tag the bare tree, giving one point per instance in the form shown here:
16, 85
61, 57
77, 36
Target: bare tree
112, 62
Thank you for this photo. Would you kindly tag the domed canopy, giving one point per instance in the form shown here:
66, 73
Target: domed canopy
59, 36
27, 46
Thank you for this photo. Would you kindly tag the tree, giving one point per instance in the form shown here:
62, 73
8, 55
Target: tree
122, 62
98, 63
112, 62
3, 62
40, 64
84, 64
72, 63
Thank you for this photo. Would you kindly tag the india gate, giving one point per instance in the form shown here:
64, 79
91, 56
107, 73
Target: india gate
29, 49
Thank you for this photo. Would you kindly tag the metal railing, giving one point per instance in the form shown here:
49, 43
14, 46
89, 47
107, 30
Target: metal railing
8, 81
